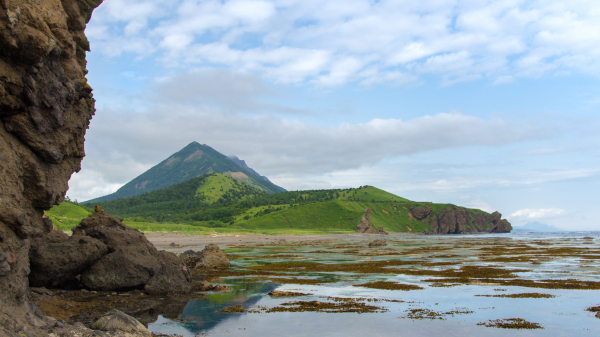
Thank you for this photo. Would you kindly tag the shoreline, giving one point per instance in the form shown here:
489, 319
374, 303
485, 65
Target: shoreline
165, 239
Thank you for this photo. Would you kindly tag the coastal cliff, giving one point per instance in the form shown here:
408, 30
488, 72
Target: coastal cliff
45, 108
457, 220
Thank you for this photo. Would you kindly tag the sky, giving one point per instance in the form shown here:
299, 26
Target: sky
483, 104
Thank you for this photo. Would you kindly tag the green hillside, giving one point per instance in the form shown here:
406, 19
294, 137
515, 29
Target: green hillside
213, 197
219, 201
192, 161
68, 214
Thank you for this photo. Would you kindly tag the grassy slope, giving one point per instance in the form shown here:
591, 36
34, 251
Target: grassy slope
68, 215
216, 185
342, 215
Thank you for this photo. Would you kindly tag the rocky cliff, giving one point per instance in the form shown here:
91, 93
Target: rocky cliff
457, 220
45, 108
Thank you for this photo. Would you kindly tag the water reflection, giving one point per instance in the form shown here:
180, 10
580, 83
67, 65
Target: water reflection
204, 314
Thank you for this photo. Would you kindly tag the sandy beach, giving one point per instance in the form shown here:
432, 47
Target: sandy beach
165, 239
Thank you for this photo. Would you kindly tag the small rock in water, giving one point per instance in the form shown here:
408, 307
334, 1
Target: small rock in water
378, 243
117, 321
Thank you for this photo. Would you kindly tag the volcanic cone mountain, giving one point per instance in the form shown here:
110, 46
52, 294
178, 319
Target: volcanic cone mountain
190, 162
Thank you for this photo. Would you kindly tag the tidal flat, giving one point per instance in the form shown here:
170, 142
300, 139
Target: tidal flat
522, 284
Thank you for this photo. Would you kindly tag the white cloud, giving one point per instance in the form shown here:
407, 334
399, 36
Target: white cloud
538, 213
331, 43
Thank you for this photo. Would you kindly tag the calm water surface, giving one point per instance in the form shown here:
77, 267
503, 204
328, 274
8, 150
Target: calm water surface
563, 315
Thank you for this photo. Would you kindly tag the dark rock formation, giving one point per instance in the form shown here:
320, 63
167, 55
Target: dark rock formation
366, 227
420, 212
45, 109
55, 264
456, 220
211, 257
378, 243
132, 261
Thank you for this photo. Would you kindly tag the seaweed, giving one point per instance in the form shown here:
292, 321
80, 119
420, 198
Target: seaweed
511, 323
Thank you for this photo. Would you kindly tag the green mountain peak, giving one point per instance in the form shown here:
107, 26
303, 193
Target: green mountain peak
194, 160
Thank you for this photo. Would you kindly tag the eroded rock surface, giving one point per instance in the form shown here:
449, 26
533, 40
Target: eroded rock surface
45, 109
365, 225
55, 264
461, 220
132, 261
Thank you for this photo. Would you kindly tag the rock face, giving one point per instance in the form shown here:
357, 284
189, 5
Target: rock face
109, 256
55, 264
132, 261
365, 225
461, 220
45, 109
211, 257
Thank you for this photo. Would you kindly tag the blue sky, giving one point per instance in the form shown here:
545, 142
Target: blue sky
485, 104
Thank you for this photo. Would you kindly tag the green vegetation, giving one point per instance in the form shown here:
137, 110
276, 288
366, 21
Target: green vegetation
68, 215
220, 203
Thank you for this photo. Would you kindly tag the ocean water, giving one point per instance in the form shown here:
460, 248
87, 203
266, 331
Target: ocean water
547, 256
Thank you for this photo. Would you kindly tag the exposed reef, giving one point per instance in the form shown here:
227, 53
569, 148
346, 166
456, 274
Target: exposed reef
45, 109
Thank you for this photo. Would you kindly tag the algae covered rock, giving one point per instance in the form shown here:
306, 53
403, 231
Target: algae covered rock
378, 243
118, 322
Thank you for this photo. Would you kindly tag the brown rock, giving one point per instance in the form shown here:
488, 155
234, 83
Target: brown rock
117, 271
420, 213
55, 262
211, 257
279, 293
44, 115
365, 225
202, 286
133, 262
378, 243
119, 322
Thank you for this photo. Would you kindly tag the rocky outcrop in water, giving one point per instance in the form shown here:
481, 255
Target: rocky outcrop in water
106, 255
211, 257
45, 109
119, 322
378, 243
366, 227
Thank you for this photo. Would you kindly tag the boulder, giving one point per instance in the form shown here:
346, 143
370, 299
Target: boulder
119, 322
117, 271
132, 262
211, 257
55, 262
366, 227
202, 286
421, 212
173, 277
378, 243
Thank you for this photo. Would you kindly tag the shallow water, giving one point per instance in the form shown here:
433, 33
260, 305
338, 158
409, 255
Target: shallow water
563, 315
